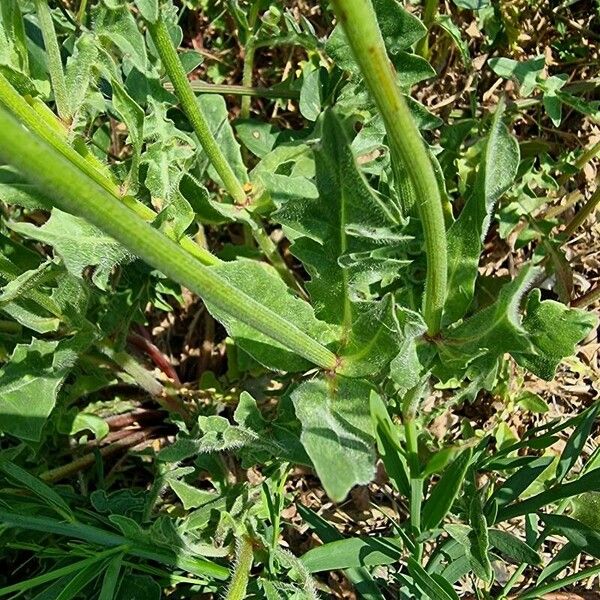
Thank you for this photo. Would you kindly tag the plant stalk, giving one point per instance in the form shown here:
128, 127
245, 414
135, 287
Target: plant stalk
74, 192
183, 90
55, 135
55, 67
430, 9
241, 573
410, 405
247, 78
579, 219
201, 87
359, 22
588, 298
185, 93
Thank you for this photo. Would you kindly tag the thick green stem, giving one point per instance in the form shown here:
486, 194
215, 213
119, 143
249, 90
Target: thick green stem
55, 135
57, 76
74, 192
183, 90
241, 573
359, 22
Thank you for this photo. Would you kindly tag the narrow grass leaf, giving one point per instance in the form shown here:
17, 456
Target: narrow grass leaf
445, 492
582, 536
586, 483
512, 547
37, 487
428, 584
574, 446
353, 553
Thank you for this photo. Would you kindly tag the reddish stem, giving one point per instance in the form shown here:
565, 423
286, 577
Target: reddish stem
155, 354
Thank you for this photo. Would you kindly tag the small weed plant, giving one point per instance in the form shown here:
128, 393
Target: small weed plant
333, 264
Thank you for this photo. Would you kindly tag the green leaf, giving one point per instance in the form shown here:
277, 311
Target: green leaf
561, 560
445, 491
399, 28
374, 339
360, 577
491, 332
132, 116
525, 72
168, 152
190, 496
338, 235
260, 138
139, 587
585, 538
310, 94
388, 445
512, 547
586, 508
15, 190
260, 281
452, 29
431, 586
517, 483
81, 579
13, 41
79, 72
337, 433
111, 578
43, 491
472, 4
79, 244
217, 116
479, 548
496, 172
149, 9
353, 553
590, 482
554, 331
574, 447
29, 385
532, 402
117, 28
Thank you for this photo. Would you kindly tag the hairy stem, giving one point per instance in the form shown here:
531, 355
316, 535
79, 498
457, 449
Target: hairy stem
241, 573
74, 192
359, 22
183, 90
249, 51
55, 134
57, 76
